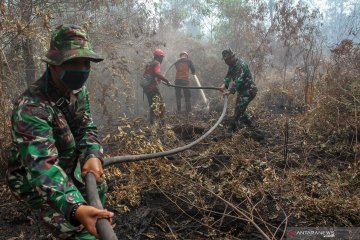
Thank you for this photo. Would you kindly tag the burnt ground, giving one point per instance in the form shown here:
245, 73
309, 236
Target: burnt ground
299, 190
156, 217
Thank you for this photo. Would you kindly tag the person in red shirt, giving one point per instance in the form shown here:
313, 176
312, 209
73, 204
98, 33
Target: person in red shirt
183, 66
152, 78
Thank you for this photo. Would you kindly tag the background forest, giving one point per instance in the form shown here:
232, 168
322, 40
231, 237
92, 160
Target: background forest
305, 58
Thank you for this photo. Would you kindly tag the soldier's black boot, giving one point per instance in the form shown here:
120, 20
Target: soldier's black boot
248, 122
232, 126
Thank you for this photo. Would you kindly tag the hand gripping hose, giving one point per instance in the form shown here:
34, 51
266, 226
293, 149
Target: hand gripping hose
103, 227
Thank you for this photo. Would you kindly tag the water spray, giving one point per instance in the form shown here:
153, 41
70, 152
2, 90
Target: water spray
206, 101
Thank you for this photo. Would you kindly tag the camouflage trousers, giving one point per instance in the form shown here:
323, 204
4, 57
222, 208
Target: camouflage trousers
241, 117
44, 211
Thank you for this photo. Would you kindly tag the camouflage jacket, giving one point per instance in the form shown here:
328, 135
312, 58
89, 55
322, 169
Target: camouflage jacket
241, 75
45, 154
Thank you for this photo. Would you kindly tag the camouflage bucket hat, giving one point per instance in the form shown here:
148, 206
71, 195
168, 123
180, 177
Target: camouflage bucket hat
67, 42
228, 53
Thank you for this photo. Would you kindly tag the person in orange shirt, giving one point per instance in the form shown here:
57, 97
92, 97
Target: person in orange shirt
183, 66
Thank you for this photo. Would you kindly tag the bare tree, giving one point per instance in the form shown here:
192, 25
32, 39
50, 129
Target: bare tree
26, 8
293, 25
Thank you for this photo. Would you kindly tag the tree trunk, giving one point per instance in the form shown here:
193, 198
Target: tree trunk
28, 55
286, 64
27, 45
271, 9
1, 72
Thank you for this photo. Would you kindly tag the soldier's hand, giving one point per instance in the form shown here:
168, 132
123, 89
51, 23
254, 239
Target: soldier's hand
223, 88
226, 92
88, 215
93, 165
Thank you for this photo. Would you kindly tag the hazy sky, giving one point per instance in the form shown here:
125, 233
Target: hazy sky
322, 4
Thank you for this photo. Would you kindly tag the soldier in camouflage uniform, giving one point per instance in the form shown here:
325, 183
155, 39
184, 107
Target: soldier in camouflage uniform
238, 79
55, 141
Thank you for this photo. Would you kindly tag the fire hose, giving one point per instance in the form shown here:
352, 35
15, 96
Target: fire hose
103, 227
193, 87
134, 158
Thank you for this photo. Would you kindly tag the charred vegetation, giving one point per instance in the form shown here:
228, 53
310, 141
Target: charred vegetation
298, 166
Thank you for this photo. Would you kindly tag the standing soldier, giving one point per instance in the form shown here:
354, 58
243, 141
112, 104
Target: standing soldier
183, 66
238, 79
151, 78
55, 141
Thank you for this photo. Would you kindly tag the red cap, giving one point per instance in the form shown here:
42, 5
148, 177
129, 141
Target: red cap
159, 52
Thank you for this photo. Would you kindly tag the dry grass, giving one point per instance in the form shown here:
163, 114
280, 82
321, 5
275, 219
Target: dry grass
305, 174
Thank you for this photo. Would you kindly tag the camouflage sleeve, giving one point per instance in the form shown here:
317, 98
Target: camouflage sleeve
86, 135
227, 81
227, 78
244, 77
240, 81
246, 70
33, 136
